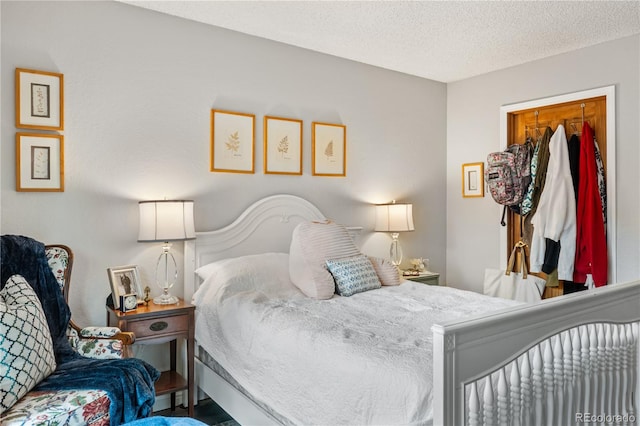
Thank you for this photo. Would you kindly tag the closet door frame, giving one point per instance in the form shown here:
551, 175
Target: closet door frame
609, 92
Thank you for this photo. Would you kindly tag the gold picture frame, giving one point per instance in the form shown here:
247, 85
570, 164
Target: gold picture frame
39, 100
232, 141
282, 146
328, 149
39, 162
473, 180
125, 280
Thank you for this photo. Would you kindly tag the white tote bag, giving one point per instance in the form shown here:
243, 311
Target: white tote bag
519, 286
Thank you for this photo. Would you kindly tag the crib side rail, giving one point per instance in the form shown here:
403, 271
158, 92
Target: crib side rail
543, 363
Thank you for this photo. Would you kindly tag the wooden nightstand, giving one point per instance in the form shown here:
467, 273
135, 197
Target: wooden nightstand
430, 278
159, 324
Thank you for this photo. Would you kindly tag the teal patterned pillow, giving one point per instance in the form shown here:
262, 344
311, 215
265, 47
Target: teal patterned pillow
353, 275
26, 351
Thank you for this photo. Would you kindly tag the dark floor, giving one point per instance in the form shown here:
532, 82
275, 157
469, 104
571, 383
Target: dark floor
207, 411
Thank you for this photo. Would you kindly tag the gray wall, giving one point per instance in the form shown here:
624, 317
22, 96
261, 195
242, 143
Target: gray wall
139, 87
473, 130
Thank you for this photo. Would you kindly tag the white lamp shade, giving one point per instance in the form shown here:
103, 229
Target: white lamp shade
394, 217
166, 220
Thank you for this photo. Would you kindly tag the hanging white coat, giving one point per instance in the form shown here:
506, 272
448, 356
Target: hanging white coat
555, 217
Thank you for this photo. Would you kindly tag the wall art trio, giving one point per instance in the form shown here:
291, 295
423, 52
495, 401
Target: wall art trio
233, 145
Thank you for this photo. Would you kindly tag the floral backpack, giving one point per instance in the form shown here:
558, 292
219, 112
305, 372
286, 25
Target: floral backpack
508, 175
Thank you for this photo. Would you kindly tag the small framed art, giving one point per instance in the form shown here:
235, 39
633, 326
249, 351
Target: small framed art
39, 100
124, 281
473, 180
232, 141
282, 146
39, 162
328, 149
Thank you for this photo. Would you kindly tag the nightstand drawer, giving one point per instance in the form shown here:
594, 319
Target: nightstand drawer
157, 327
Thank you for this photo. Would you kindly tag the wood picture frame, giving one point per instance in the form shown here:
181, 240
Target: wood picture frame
282, 146
232, 141
473, 180
39, 162
39, 99
328, 149
125, 280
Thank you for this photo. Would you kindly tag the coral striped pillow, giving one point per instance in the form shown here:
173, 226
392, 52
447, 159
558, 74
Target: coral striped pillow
387, 271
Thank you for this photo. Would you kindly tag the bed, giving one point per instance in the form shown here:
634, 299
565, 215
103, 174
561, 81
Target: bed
438, 356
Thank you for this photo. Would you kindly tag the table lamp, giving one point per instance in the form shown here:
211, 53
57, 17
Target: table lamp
166, 221
394, 218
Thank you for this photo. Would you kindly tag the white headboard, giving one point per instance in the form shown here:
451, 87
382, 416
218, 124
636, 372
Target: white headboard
266, 226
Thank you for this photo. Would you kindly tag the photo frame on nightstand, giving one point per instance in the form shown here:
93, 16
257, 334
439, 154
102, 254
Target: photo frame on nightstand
125, 280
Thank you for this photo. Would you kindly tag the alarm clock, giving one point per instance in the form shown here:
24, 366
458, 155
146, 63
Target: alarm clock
128, 302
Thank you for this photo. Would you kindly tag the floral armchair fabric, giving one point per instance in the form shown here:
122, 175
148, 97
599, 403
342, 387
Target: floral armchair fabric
92, 342
71, 407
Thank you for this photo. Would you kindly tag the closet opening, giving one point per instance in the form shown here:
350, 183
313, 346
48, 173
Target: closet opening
529, 120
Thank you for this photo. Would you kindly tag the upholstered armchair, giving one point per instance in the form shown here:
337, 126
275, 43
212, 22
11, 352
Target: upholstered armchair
106, 350
92, 342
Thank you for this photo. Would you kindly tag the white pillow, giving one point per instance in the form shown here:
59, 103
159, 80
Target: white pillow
26, 350
267, 273
312, 244
387, 271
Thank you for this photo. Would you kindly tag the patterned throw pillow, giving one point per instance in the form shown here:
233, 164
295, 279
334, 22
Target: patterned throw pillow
353, 275
26, 350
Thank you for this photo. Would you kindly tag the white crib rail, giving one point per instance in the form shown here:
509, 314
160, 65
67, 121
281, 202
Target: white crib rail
557, 379
568, 360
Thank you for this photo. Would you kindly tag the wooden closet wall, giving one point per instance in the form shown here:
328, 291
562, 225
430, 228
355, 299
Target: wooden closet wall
533, 122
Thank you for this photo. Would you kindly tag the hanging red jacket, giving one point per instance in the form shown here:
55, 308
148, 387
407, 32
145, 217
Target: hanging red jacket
591, 240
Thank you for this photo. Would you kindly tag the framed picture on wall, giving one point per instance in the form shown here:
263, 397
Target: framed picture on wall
282, 146
328, 149
473, 180
39, 100
232, 141
39, 162
125, 280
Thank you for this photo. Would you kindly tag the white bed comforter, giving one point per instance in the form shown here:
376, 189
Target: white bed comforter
364, 359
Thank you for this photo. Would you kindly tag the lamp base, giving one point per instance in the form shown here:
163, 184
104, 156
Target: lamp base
165, 299
395, 251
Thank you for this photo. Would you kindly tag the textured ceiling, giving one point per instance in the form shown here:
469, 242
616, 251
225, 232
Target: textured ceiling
440, 40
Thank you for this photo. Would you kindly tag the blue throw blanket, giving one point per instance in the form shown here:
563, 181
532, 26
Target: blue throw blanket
128, 382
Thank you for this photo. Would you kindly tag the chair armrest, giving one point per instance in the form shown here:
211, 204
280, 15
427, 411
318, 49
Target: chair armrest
127, 337
99, 332
101, 342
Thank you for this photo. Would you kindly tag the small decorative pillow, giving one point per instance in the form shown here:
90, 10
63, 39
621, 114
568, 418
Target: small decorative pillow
387, 271
353, 275
26, 350
312, 243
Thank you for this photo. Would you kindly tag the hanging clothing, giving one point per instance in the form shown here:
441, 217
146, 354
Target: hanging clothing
555, 217
542, 162
527, 202
591, 242
574, 162
602, 184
